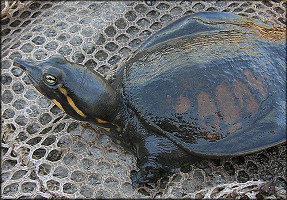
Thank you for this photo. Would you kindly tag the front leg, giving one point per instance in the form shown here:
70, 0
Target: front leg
157, 156
150, 171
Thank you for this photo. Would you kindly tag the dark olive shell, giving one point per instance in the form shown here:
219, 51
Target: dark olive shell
213, 83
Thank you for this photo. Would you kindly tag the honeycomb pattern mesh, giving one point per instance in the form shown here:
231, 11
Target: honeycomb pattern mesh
47, 154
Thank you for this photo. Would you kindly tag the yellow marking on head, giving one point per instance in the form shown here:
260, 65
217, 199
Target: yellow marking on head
70, 101
62, 90
58, 104
72, 104
101, 121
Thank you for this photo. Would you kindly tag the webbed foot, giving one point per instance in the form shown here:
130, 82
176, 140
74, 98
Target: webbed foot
149, 172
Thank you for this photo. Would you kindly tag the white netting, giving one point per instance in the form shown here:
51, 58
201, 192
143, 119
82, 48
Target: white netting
47, 154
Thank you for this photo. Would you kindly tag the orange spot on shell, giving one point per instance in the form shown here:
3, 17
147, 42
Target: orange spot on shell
206, 105
252, 106
234, 127
242, 92
227, 104
183, 104
256, 83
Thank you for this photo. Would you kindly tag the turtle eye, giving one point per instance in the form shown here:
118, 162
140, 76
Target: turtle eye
50, 79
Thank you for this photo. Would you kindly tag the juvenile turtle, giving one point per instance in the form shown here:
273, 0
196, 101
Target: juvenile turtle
208, 85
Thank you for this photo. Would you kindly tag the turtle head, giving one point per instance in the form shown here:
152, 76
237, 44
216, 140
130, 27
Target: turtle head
77, 90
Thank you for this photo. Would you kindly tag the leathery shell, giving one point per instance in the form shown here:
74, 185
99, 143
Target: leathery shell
213, 83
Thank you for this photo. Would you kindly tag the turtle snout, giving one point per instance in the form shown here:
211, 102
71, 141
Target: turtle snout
20, 63
27, 66
32, 69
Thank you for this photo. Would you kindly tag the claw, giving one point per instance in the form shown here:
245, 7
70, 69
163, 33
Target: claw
149, 173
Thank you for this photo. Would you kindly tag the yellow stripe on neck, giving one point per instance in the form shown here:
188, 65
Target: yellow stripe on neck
72, 104
101, 121
107, 129
70, 101
58, 104
62, 90
106, 122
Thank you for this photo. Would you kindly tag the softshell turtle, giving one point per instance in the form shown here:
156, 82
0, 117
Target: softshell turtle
210, 84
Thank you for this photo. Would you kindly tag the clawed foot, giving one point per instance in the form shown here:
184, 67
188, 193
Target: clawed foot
149, 173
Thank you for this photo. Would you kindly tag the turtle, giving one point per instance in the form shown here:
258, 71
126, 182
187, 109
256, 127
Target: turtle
208, 85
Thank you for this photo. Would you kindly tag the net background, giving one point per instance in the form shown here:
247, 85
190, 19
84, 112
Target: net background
47, 154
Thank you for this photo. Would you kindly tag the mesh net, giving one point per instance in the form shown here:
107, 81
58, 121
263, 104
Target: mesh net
47, 154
